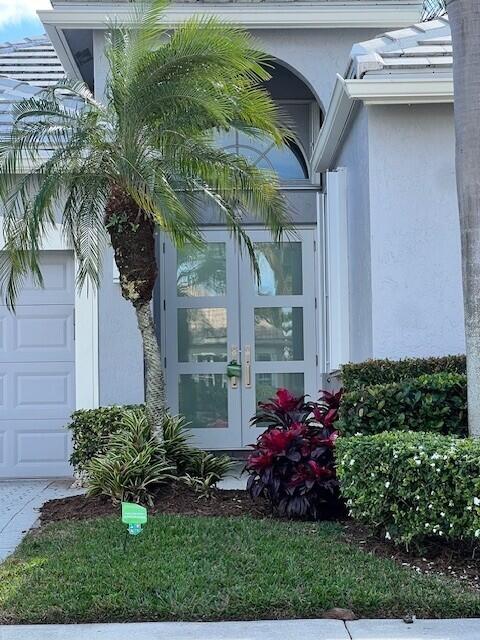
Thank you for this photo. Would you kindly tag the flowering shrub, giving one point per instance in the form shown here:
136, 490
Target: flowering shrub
413, 486
292, 464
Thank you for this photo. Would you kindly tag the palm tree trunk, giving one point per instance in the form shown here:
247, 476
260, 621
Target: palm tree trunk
154, 379
132, 234
465, 25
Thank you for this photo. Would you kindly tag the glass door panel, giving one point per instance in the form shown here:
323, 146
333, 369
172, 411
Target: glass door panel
278, 332
202, 333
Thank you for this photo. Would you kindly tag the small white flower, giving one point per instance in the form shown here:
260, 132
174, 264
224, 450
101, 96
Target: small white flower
388, 536
442, 513
387, 484
476, 502
469, 508
477, 533
352, 462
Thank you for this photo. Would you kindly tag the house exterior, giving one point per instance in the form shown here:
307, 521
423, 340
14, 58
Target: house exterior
373, 271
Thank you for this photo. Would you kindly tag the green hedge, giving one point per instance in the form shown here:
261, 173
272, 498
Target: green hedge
413, 486
364, 374
91, 429
435, 403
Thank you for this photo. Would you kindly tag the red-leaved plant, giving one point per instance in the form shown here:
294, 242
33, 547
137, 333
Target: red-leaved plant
292, 464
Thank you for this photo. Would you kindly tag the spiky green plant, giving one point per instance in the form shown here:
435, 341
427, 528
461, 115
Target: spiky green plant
134, 464
117, 168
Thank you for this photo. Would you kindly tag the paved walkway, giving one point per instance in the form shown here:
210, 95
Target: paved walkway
262, 630
19, 504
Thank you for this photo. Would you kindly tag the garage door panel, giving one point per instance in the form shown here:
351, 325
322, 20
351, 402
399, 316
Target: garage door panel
37, 374
58, 281
38, 448
37, 391
38, 334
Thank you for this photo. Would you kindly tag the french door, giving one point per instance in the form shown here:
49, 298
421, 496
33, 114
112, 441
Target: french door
215, 312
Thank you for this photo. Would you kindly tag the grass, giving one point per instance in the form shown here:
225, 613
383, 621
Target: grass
186, 568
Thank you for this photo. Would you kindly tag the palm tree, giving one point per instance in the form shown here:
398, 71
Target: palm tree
144, 159
464, 17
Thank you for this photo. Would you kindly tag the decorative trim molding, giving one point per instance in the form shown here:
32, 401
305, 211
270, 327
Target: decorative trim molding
381, 90
272, 15
334, 125
387, 90
86, 330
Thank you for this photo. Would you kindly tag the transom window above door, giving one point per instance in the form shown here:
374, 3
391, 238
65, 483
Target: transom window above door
288, 161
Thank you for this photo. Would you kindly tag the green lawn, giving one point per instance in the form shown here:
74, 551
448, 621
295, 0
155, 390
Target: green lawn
186, 568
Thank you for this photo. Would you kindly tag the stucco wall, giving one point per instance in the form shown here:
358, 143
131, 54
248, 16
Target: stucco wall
354, 157
417, 307
120, 357
316, 55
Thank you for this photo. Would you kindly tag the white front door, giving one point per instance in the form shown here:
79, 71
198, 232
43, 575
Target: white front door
215, 312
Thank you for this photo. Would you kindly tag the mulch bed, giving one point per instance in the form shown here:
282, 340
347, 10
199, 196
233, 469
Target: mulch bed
173, 500
457, 562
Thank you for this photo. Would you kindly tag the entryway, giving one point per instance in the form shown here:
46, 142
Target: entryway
214, 312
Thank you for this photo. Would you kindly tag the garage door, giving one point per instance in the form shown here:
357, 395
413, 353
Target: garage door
37, 367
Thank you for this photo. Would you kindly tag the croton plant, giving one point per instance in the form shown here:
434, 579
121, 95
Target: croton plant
292, 462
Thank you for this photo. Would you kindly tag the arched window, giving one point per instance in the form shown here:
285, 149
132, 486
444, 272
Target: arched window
287, 162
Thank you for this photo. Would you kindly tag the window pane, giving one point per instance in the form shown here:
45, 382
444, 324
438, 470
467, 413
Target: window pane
280, 268
203, 400
202, 272
278, 334
286, 164
202, 335
266, 384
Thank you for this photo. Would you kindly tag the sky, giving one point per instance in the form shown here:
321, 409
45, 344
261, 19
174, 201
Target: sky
18, 18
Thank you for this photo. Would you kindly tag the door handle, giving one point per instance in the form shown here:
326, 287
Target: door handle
248, 366
234, 357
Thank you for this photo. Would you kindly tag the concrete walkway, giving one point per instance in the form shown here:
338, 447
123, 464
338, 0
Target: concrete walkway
261, 630
19, 504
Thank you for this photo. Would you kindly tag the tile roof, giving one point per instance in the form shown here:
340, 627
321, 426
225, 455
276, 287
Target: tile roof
425, 47
32, 60
26, 67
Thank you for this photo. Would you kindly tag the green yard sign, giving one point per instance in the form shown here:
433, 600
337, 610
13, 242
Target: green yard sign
135, 516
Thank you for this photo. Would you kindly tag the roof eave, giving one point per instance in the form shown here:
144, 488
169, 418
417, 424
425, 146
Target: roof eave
381, 90
258, 15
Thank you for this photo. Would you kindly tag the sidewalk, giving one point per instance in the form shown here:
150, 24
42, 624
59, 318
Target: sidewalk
258, 630
20, 501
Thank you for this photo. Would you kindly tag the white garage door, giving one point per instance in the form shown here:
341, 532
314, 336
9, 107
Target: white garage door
37, 368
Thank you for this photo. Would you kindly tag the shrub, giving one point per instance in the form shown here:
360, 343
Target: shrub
413, 486
435, 403
94, 429
292, 462
133, 465
373, 372
91, 430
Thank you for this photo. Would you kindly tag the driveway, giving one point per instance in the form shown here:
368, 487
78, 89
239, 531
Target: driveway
20, 501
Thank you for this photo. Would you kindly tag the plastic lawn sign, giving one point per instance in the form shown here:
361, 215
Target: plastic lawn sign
135, 516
